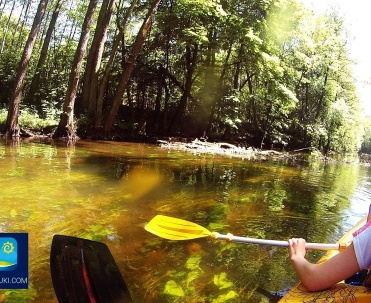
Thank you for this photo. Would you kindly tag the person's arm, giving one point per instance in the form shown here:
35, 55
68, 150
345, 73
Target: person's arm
320, 276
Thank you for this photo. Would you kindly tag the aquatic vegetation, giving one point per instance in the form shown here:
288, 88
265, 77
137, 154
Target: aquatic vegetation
108, 191
18, 295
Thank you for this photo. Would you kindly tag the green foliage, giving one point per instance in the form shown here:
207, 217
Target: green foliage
98, 232
222, 281
173, 289
184, 283
3, 115
19, 296
30, 119
265, 72
366, 141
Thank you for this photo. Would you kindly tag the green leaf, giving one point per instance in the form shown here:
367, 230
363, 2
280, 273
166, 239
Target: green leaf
173, 289
193, 275
193, 262
222, 281
223, 298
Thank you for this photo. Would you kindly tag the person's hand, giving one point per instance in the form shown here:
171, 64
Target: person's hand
297, 248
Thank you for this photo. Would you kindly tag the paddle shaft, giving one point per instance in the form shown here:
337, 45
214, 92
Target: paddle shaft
319, 246
178, 229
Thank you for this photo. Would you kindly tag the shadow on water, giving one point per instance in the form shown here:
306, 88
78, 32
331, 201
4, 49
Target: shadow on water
107, 191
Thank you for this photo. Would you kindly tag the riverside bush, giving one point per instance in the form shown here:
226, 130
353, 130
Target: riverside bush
30, 119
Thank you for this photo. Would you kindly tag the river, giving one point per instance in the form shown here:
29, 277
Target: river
107, 191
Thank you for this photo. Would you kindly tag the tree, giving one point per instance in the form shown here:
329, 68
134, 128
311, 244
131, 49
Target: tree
190, 63
90, 87
129, 66
107, 70
12, 125
259, 71
43, 55
6, 28
66, 127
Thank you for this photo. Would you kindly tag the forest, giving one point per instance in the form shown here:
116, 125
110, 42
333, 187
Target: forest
262, 73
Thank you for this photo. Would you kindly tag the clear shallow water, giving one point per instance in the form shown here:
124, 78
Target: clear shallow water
107, 191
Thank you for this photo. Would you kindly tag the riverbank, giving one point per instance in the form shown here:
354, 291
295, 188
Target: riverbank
199, 146
202, 146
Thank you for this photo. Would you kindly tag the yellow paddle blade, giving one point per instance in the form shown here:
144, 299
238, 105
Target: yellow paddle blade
175, 229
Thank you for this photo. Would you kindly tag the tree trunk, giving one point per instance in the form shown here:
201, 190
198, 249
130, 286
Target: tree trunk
320, 104
219, 92
129, 65
107, 71
43, 55
12, 125
25, 17
166, 107
2, 3
15, 30
66, 128
90, 86
191, 59
161, 83
237, 71
5, 31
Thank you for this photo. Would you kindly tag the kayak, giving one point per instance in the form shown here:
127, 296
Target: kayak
341, 292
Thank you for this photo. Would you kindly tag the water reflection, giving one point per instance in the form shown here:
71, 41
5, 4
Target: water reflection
106, 191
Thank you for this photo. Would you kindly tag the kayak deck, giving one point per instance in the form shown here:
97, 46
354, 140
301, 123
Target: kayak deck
341, 292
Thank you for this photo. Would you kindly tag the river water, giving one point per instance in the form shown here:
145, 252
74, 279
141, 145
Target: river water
107, 191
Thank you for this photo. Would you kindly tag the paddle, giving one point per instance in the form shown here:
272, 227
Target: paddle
177, 229
84, 271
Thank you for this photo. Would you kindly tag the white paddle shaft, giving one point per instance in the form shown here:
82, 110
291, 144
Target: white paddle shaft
230, 237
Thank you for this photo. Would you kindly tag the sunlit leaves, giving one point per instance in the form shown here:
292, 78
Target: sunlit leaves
226, 298
196, 34
193, 263
173, 289
346, 132
98, 232
18, 295
276, 197
222, 281
193, 272
185, 283
253, 37
193, 275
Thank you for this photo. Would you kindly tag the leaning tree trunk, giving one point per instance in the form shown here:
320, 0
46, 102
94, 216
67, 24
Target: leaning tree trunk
129, 66
65, 127
12, 125
90, 85
23, 23
107, 70
5, 31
